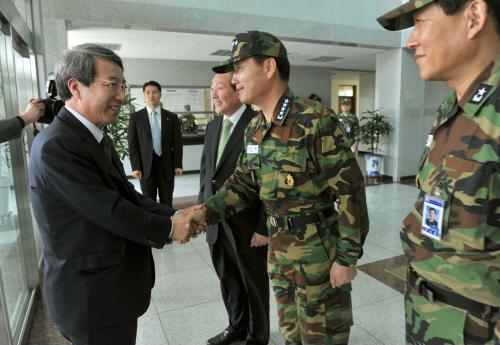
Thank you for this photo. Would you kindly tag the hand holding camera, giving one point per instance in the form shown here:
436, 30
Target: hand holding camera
34, 110
52, 104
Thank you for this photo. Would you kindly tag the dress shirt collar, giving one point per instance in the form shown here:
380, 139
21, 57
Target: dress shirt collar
236, 116
97, 132
157, 109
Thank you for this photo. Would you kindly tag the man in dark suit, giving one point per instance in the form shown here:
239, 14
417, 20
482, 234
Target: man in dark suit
238, 245
97, 231
12, 128
155, 146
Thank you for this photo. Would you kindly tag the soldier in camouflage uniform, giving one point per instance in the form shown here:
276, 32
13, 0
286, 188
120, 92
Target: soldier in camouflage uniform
297, 161
453, 290
349, 123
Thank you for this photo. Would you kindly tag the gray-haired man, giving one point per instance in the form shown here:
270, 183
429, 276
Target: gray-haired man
97, 231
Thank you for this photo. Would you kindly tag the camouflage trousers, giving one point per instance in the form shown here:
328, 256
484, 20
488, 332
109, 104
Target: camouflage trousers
310, 310
439, 324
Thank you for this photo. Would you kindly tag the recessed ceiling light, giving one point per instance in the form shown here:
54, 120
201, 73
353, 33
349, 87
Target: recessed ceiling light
325, 58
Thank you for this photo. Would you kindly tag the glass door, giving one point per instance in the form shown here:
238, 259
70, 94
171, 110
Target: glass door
15, 237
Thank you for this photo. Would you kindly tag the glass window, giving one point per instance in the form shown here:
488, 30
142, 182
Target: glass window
24, 8
346, 90
12, 265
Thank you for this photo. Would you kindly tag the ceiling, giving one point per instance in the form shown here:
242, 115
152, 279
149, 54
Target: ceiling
164, 45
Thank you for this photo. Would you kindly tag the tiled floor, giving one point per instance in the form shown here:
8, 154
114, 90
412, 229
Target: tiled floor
186, 306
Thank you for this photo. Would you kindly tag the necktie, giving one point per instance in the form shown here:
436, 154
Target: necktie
226, 132
107, 146
156, 133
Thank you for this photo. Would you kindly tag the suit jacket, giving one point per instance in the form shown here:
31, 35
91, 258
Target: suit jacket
96, 229
140, 142
242, 225
10, 129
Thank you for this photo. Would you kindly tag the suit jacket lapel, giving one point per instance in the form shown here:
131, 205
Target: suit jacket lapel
164, 126
94, 147
143, 118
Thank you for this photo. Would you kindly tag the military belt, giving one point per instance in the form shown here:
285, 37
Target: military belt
432, 293
292, 222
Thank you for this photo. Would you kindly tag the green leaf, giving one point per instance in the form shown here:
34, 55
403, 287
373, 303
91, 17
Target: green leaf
373, 126
118, 130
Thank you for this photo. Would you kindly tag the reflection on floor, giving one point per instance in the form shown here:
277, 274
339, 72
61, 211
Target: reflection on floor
186, 307
391, 272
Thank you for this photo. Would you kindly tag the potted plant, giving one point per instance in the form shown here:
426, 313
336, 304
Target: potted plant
118, 130
374, 126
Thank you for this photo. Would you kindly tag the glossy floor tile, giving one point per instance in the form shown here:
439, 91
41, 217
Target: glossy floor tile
186, 306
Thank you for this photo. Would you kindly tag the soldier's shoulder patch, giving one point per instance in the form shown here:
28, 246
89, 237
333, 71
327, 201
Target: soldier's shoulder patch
478, 95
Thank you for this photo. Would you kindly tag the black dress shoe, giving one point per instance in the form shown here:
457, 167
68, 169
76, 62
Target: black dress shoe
226, 337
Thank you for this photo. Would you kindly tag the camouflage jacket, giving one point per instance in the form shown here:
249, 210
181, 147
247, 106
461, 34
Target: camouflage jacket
298, 163
461, 165
350, 125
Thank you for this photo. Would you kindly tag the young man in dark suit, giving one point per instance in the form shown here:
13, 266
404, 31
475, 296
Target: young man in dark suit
97, 231
155, 146
238, 245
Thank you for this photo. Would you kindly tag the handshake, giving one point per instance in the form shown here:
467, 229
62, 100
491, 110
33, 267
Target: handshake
187, 223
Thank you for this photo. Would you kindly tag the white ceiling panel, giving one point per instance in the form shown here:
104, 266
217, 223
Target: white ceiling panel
148, 44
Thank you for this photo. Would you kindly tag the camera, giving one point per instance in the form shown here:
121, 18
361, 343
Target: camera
52, 104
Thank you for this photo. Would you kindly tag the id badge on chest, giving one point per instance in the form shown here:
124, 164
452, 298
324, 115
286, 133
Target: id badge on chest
432, 217
252, 148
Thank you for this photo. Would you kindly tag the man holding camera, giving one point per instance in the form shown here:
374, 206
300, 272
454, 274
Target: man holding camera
97, 230
11, 128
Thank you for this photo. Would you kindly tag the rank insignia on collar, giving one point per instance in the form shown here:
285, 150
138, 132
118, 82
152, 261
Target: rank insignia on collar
289, 180
481, 91
285, 105
234, 44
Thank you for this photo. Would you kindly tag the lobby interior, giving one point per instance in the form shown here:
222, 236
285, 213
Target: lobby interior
331, 44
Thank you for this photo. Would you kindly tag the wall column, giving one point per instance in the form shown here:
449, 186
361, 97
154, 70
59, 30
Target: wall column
400, 94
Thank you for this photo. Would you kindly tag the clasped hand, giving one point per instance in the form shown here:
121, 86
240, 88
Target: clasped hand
187, 223
341, 275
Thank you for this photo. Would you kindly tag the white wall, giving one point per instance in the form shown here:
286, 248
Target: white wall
324, 20
168, 72
410, 104
411, 111
366, 92
303, 80
387, 100
307, 80
339, 12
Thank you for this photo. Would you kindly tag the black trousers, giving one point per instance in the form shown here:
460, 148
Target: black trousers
123, 334
244, 286
160, 182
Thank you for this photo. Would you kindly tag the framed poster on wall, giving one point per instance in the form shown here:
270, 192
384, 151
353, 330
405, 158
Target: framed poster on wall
174, 99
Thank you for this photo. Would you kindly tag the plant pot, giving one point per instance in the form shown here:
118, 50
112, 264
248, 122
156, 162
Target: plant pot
373, 164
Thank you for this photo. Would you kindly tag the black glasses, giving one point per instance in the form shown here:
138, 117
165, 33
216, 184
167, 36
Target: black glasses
114, 86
